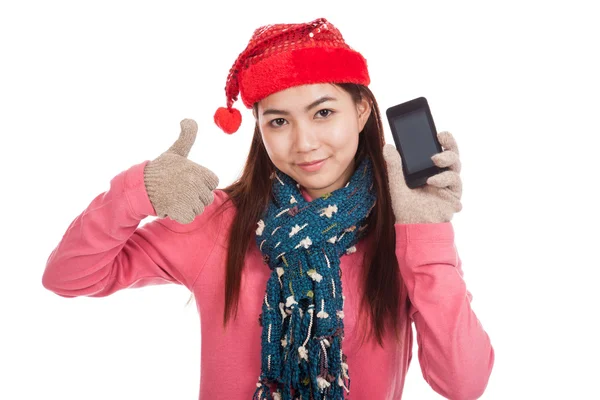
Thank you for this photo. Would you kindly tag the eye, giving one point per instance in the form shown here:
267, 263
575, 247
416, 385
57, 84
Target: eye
324, 112
277, 121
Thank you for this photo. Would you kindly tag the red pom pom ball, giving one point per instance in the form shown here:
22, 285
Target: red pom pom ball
229, 120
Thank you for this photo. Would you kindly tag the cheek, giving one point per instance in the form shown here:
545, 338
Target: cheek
269, 142
345, 137
277, 149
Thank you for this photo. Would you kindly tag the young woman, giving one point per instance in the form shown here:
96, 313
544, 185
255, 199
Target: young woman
317, 259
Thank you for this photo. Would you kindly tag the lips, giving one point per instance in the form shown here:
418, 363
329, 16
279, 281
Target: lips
310, 163
312, 166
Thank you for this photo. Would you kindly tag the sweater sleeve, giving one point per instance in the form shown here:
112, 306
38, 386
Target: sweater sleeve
455, 352
103, 250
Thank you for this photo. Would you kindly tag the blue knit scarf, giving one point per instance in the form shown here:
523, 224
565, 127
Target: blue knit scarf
302, 312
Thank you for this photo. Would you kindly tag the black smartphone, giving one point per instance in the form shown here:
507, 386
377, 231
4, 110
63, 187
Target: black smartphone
416, 140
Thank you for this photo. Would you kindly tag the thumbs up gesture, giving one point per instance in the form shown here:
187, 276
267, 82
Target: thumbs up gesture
177, 187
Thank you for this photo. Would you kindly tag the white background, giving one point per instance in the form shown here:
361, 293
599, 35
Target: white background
87, 89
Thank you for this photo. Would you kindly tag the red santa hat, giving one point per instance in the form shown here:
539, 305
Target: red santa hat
281, 56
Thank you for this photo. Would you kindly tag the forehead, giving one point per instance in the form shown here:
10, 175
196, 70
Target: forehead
297, 97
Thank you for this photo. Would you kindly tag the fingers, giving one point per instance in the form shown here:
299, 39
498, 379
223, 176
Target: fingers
187, 137
206, 197
198, 209
447, 158
448, 142
447, 179
211, 179
183, 218
210, 182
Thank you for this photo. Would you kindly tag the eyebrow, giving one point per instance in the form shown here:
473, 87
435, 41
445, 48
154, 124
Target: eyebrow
307, 108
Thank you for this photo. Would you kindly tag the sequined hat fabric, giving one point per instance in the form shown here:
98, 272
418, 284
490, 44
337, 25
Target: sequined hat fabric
281, 56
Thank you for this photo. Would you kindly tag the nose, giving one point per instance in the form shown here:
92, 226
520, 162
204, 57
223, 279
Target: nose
305, 137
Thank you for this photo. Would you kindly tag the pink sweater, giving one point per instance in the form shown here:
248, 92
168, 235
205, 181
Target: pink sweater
104, 250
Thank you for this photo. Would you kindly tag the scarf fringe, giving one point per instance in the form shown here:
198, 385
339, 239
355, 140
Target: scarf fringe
262, 392
309, 363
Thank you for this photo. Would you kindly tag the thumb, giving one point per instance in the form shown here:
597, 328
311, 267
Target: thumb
394, 167
392, 158
186, 139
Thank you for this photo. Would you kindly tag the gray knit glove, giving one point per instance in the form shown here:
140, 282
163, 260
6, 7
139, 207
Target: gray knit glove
439, 199
177, 187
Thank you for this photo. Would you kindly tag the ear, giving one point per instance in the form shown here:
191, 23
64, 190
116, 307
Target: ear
364, 111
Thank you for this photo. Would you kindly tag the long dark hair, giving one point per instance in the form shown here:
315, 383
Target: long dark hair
384, 296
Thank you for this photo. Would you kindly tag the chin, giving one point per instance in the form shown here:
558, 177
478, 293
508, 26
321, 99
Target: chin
316, 182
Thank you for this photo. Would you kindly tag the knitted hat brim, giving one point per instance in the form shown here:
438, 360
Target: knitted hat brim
301, 67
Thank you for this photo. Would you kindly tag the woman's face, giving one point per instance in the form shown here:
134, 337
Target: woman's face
309, 123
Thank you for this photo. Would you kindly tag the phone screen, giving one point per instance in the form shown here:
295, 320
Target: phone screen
415, 135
